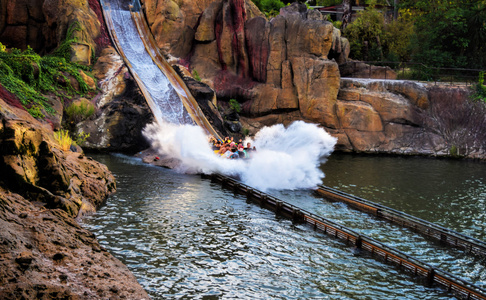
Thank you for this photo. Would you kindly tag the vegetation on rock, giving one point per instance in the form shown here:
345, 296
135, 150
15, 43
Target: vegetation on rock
63, 139
480, 89
269, 7
30, 76
235, 105
79, 110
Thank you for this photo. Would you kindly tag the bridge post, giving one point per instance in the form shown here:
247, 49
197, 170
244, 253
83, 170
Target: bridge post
429, 281
278, 208
297, 216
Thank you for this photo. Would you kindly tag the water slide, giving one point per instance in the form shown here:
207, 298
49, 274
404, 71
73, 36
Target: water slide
165, 92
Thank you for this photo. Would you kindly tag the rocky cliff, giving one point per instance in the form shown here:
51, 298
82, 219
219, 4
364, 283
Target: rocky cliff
291, 67
44, 253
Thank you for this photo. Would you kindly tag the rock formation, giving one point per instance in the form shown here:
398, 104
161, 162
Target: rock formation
44, 253
270, 67
43, 24
286, 69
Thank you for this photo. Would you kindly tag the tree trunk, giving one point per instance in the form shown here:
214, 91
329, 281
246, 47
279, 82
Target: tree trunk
346, 13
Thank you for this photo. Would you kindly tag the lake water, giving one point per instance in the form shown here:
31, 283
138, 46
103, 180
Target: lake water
187, 238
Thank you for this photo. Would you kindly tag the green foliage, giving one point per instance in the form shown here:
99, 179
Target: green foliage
449, 33
454, 151
81, 138
63, 139
246, 131
328, 2
337, 24
397, 39
235, 105
373, 39
366, 34
196, 76
29, 76
480, 89
269, 7
79, 110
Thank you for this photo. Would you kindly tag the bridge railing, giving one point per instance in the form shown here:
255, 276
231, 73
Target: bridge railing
419, 269
415, 71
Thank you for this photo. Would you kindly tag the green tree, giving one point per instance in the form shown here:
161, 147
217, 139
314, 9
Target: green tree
449, 33
365, 35
398, 34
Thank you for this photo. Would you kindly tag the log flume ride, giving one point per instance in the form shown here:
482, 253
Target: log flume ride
170, 101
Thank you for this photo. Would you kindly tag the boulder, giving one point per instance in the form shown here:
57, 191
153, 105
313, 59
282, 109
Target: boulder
205, 97
62, 14
317, 85
35, 165
43, 24
359, 116
279, 66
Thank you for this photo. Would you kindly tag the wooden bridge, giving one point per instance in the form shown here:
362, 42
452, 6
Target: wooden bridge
430, 275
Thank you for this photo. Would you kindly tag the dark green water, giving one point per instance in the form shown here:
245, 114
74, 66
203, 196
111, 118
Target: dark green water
451, 193
186, 238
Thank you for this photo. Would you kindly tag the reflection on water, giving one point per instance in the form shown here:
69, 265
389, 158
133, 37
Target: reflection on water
451, 193
184, 237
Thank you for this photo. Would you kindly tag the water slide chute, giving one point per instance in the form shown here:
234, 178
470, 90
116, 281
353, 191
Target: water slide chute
165, 92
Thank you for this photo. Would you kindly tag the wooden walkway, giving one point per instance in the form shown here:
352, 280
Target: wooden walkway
430, 275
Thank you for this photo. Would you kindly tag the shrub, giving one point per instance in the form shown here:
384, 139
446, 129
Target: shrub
269, 7
63, 139
196, 76
80, 110
81, 138
235, 105
480, 89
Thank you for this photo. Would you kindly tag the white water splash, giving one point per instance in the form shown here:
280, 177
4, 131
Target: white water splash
286, 158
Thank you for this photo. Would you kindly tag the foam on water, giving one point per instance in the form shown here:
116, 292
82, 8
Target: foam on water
286, 158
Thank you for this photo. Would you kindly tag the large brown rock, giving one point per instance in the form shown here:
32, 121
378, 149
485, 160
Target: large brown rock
317, 85
35, 165
173, 23
358, 69
383, 116
278, 51
358, 115
43, 24
285, 58
46, 254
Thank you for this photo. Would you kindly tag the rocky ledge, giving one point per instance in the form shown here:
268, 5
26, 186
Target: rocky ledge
44, 252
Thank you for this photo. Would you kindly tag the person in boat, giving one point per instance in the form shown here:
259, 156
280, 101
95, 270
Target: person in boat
242, 152
232, 153
216, 146
223, 149
249, 148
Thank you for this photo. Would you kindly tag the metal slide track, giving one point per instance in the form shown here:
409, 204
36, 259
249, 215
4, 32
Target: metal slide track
165, 92
444, 235
430, 275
